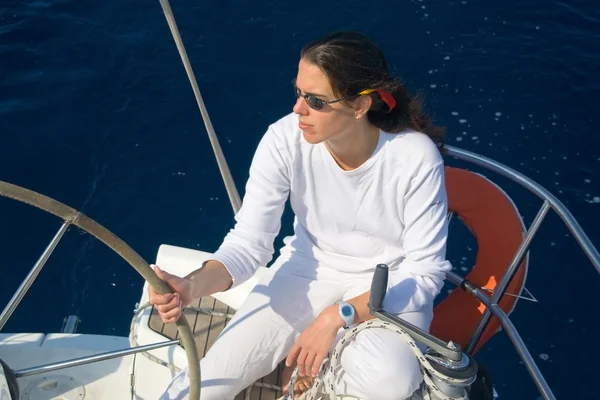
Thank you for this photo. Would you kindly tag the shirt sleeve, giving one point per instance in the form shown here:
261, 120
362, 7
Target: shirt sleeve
421, 274
249, 244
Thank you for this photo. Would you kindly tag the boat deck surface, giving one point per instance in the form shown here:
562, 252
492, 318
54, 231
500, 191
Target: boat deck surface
206, 328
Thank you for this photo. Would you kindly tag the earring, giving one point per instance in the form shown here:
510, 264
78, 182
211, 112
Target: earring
357, 117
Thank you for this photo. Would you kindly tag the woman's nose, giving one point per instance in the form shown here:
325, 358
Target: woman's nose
300, 107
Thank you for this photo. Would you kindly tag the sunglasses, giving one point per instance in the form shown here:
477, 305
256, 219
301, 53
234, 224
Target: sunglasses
317, 104
313, 101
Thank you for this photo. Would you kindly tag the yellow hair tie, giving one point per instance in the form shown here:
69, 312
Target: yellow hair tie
385, 96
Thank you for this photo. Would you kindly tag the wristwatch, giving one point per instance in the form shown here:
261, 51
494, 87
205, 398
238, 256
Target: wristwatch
346, 312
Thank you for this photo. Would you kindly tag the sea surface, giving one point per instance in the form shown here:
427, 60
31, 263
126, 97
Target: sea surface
96, 111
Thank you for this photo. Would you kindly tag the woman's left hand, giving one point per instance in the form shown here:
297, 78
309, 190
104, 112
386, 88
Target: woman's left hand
315, 342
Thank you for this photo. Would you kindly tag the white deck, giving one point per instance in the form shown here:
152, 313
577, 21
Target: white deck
115, 379
102, 380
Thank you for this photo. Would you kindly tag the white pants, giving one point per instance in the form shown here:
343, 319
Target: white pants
378, 364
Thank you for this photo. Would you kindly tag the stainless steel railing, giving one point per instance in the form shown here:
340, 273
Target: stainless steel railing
582, 239
492, 307
75, 362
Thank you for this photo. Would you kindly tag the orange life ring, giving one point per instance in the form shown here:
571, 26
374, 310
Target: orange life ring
494, 220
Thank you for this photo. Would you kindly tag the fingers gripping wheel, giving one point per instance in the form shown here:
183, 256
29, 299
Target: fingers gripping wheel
8, 383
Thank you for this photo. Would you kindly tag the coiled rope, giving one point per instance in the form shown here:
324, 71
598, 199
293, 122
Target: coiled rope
323, 386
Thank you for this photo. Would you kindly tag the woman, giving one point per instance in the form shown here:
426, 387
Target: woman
361, 165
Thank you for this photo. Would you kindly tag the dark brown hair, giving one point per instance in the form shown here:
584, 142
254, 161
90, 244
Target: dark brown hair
353, 63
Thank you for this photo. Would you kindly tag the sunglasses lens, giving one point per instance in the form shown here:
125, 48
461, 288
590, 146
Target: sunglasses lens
314, 102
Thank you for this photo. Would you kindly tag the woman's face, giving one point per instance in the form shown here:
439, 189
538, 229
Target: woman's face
328, 122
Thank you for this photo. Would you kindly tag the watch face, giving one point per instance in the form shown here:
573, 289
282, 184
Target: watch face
347, 311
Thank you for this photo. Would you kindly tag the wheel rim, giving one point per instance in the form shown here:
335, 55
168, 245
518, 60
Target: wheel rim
74, 217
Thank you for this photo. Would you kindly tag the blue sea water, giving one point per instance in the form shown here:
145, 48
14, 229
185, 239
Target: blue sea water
96, 111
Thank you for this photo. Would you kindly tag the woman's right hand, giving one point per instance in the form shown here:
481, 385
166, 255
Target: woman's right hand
170, 306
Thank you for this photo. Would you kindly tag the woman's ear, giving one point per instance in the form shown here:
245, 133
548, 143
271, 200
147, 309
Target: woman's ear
362, 105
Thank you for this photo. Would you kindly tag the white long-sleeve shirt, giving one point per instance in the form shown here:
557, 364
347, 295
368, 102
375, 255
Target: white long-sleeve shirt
392, 209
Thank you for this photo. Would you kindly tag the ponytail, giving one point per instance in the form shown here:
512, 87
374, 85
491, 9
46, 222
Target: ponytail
407, 113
